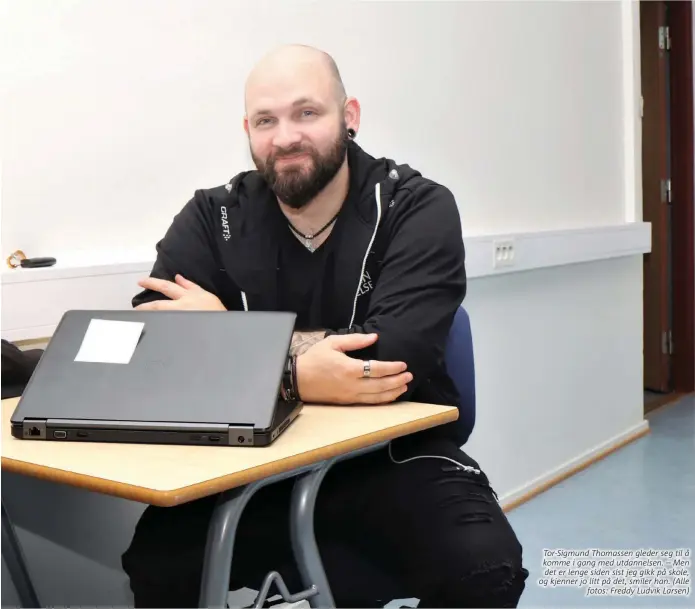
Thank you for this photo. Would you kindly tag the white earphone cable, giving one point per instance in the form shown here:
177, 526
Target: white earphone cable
465, 468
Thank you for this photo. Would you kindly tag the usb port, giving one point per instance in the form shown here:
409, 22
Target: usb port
214, 438
60, 434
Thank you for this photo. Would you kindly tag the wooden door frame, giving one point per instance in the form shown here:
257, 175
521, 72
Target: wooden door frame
657, 269
683, 195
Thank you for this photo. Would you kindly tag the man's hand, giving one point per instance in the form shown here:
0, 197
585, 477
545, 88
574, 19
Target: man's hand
185, 296
325, 375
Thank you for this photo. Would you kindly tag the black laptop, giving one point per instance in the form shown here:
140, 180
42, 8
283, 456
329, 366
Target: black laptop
161, 377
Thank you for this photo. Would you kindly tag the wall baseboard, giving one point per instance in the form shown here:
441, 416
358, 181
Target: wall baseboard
34, 300
541, 484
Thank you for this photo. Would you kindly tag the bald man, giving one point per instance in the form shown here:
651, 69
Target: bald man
369, 255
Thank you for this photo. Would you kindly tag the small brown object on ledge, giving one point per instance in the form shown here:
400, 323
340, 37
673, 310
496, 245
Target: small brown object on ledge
15, 259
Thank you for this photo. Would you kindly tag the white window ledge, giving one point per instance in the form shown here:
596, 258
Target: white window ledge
34, 300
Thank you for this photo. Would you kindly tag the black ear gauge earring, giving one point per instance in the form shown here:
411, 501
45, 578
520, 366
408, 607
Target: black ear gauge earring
351, 133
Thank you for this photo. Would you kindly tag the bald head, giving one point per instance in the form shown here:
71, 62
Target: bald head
295, 62
299, 121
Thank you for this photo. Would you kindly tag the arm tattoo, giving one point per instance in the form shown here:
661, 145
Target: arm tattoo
301, 341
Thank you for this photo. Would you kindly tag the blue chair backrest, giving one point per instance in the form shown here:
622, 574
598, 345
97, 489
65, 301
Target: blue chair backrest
460, 365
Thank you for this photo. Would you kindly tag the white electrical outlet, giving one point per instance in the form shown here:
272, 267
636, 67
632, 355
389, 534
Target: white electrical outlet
503, 253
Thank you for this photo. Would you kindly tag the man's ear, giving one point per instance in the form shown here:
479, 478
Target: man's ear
352, 112
246, 124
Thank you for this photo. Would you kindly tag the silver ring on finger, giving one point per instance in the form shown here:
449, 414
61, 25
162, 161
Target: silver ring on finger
367, 370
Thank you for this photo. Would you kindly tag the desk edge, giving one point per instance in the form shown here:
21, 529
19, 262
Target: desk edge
199, 490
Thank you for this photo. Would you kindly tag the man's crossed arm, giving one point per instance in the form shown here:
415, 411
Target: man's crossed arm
185, 295
325, 374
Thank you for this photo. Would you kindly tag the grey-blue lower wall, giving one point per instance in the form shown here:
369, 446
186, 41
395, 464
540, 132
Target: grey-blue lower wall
72, 541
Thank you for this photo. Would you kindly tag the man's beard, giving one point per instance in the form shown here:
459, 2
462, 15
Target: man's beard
297, 186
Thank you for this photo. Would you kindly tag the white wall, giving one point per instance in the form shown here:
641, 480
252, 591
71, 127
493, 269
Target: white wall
559, 355
119, 110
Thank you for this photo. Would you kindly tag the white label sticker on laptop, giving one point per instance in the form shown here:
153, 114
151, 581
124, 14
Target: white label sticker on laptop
110, 342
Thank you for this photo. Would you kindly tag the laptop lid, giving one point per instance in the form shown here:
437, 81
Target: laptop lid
186, 367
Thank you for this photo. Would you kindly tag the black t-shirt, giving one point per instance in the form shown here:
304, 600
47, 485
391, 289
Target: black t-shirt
302, 275
306, 279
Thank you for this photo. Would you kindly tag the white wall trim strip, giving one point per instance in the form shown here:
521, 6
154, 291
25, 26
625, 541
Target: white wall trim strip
34, 300
566, 469
555, 248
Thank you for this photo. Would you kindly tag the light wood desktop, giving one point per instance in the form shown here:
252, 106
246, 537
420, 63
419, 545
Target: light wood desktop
167, 475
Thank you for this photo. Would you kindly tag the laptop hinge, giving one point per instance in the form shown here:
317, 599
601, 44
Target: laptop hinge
240, 435
34, 428
123, 425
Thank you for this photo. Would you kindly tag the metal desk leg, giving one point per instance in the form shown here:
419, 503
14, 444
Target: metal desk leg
14, 559
220, 544
306, 551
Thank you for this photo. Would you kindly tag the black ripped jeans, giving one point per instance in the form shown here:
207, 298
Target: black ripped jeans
424, 529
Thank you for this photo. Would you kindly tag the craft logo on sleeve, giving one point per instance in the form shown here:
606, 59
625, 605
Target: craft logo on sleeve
619, 572
225, 224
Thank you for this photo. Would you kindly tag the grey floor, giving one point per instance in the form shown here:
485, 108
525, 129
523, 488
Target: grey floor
642, 496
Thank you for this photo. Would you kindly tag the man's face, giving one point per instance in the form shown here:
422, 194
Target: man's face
297, 135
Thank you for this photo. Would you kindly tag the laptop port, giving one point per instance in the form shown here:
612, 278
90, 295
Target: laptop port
34, 429
214, 438
60, 435
82, 434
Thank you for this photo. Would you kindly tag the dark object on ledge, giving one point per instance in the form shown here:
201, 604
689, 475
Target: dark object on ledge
19, 258
33, 263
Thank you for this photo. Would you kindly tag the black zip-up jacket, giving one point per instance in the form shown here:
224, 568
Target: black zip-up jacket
399, 263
